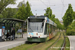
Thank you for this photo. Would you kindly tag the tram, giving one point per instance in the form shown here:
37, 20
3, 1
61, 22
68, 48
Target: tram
40, 28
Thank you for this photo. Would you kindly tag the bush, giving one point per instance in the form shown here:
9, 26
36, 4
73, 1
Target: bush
1, 16
71, 29
70, 32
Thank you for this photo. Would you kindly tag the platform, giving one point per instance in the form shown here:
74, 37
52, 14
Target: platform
10, 44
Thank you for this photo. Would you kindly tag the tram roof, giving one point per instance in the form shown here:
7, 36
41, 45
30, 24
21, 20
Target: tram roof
37, 16
13, 19
42, 17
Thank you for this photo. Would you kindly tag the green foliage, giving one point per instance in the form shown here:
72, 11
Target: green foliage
52, 17
73, 15
71, 29
72, 26
24, 11
9, 12
21, 13
28, 10
67, 44
59, 25
68, 17
4, 3
1, 16
70, 32
48, 12
20, 4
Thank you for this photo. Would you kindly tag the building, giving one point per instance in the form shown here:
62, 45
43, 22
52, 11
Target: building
61, 22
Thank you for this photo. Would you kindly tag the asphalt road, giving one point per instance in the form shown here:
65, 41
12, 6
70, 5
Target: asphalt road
72, 42
10, 44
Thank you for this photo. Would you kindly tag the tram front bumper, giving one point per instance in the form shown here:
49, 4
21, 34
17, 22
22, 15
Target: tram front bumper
36, 39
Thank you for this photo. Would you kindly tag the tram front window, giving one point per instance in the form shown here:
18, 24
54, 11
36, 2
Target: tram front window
35, 27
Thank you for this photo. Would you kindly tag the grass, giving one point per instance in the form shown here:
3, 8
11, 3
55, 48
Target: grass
40, 46
48, 43
23, 47
67, 45
58, 44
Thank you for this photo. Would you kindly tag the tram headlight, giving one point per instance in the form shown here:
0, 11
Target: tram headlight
39, 36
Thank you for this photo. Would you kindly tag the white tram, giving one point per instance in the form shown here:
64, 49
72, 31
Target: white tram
40, 28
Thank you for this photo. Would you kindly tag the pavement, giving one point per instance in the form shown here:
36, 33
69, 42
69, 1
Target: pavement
10, 44
72, 42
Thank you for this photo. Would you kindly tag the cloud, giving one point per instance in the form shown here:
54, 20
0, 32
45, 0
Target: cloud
58, 7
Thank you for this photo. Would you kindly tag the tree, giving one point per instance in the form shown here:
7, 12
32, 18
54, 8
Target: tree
9, 12
48, 12
59, 25
21, 13
71, 29
4, 3
1, 16
24, 11
73, 15
20, 4
68, 17
53, 17
28, 10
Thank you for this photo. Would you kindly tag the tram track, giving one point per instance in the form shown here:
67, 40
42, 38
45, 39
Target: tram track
36, 46
57, 45
63, 46
54, 42
44, 45
39, 46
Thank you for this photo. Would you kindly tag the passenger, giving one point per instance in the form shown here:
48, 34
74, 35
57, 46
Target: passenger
7, 36
13, 34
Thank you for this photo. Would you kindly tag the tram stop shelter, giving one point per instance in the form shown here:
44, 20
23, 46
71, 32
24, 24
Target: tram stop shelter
6, 25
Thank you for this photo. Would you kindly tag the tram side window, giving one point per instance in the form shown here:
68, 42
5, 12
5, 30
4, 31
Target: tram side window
51, 29
45, 29
48, 28
54, 28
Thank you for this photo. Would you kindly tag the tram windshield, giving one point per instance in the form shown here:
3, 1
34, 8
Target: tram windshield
35, 26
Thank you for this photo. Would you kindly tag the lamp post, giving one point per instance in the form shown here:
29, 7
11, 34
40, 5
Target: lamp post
36, 13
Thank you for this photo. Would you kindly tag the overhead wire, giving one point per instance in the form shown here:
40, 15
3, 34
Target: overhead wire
49, 2
44, 3
62, 8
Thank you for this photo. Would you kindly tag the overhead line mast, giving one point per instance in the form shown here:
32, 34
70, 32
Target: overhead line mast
63, 7
23, 1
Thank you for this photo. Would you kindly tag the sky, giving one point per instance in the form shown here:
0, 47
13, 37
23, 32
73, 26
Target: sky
38, 7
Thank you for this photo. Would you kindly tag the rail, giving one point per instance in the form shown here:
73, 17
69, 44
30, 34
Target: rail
54, 42
62, 48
